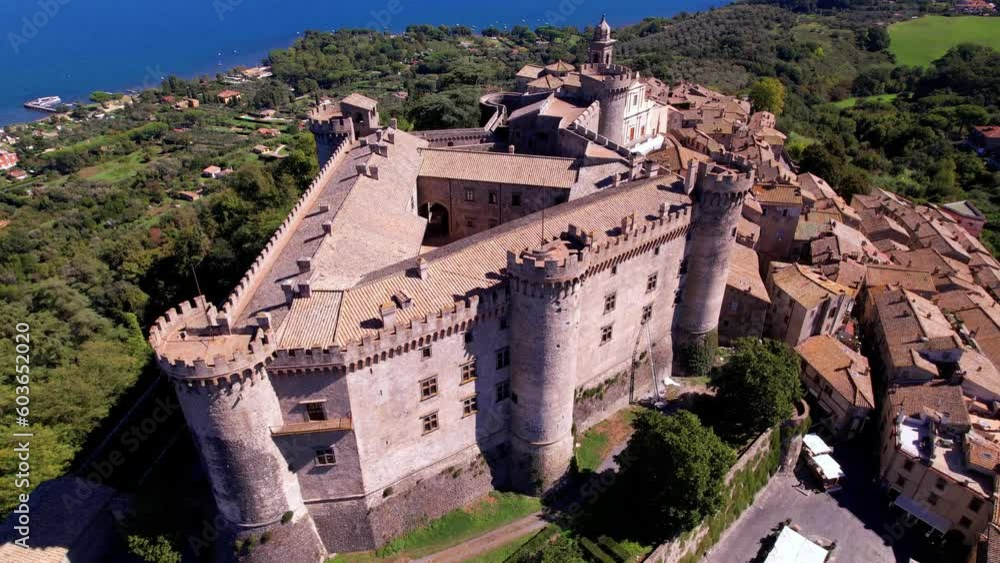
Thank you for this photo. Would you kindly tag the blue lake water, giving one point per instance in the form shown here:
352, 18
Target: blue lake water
69, 48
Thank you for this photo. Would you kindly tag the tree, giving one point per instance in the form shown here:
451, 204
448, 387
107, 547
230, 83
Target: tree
874, 38
757, 387
673, 474
153, 550
562, 549
768, 94
449, 110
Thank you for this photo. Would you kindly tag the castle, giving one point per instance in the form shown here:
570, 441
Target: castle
425, 324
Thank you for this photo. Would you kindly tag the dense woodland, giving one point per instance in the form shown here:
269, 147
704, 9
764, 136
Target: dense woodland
97, 245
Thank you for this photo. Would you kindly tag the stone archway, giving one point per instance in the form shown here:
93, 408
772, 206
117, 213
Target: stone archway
438, 225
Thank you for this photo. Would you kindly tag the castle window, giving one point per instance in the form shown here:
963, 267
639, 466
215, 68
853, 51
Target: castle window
515, 200
684, 267
650, 283
428, 388
469, 337
493, 199
470, 223
908, 466
503, 391
605, 334
315, 411
647, 313
614, 270
470, 194
677, 297
975, 504
470, 406
656, 251
941, 484
609, 302
493, 223
900, 481
964, 522
503, 323
425, 352
932, 499
325, 456
468, 372
733, 234
429, 422
503, 358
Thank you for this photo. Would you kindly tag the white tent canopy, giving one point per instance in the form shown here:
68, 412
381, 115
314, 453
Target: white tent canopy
829, 469
793, 547
815, 445
932, 519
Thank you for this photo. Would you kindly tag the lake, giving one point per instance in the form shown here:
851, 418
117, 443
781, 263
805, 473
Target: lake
69, 48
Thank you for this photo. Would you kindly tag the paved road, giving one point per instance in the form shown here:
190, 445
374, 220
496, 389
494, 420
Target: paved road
488, 542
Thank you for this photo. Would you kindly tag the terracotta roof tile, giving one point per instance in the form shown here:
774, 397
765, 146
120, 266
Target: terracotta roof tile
846, 370
502, 168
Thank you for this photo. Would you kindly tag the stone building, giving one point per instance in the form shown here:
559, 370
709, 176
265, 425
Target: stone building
745, 305
369, 372
840, 381
804, 303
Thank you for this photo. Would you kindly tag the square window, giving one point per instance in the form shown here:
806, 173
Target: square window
325, 456
470, 223
503, 358
428, 388
964, 522
614, 270
468, 372
605, 334
470, 194
940, 484
647, 313
470, 406
315, 411
656, 251
900, 482
503, 323
650, 283
975, 504
515, 200
932, 499
503, 391
425, 352
609, 302
429, 422
493, 198
908, 466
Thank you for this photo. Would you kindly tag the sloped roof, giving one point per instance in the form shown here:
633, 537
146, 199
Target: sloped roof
359, 101
806, 287
501, 168
844, 369
744, 273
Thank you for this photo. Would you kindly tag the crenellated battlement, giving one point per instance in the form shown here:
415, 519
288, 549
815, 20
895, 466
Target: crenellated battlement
724, 181
552, 263
244, 289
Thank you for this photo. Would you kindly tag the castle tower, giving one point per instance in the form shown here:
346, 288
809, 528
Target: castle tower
602, 46
717, 189
545, 320
613, 100
231, 408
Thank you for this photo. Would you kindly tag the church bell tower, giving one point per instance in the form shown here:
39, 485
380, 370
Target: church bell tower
602, 47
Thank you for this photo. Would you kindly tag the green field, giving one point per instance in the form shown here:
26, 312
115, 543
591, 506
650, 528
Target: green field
919, 42
851, 102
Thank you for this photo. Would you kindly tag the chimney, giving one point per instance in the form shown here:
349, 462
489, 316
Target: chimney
304, 263
378, 136
390, 137
663, 210
388, 312
289, 290
393, 122
422, 269
264, 320
510, 149
324, 208
364, 141
327, 227
361, 169
373, 172
305, 290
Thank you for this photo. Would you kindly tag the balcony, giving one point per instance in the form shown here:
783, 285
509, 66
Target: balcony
329, 425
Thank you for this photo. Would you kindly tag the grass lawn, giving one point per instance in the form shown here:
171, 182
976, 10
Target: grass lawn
919, 42
848, 103
115, 170
599, 440
486, 514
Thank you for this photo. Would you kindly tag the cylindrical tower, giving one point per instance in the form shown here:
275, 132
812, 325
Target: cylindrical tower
231, 408
717, 189
545, 320
612, 117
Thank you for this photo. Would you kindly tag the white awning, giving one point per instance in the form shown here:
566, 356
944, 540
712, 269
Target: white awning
815, 445
793, 547
829, 469
921, 512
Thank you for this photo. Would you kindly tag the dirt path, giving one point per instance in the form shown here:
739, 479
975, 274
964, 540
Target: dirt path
488, 542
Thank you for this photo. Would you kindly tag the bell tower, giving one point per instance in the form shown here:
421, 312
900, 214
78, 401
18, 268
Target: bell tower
602, 47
